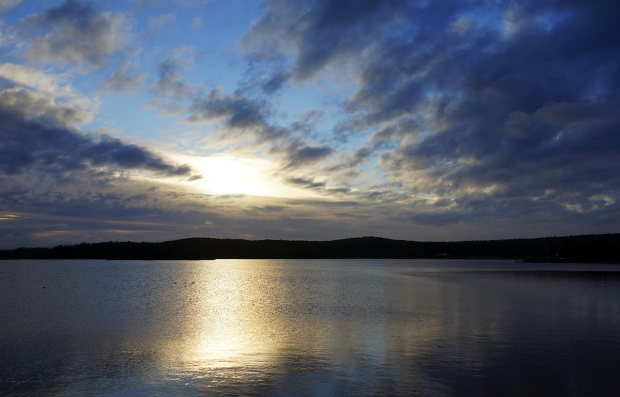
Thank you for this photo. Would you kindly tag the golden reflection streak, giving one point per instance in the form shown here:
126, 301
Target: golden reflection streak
232, 323
243, 316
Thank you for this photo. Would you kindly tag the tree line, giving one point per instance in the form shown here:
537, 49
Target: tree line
604, 248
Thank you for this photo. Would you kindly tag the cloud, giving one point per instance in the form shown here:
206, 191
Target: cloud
109, 151
31, 105
122, 81
360, 156
37, 129
274, 82
74, 32
6, 4
269, 209
161, 21
36, 95
267, 82
320, 32
141, 4
197, 22
53, 149
305, 183
238, 113
170, 81
52, 85
306, 155
501, 102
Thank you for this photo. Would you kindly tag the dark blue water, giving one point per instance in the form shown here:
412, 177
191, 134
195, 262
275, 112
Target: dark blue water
299, 327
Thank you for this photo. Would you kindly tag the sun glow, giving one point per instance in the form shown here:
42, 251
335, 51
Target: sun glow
229, 175
224, 175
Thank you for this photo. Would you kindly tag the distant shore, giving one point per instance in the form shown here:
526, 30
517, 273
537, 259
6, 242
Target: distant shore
597, 248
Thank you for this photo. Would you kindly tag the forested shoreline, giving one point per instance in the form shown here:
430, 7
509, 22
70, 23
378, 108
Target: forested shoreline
603, 248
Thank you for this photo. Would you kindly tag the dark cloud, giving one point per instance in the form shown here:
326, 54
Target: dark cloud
269, 209
37, 136
74, 32
109, 151
305, 125
321, 31
275, 82
306, 155
323, 203
122, 81
238, 112
23, 103
361, 155
509, 102
64, 218
171, 82
349, 163
60, 150
305, 183
268, 82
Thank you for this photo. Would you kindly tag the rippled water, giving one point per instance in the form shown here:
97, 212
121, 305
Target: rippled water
308, 327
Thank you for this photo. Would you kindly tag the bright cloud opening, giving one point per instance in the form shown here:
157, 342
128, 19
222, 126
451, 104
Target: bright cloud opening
225, 175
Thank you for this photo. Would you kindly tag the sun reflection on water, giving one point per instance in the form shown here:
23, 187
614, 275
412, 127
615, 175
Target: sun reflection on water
230, 320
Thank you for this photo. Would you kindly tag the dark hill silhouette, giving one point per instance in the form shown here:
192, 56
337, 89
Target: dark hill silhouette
604, 248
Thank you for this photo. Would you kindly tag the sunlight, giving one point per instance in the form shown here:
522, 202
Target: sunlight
222, 175
230, 175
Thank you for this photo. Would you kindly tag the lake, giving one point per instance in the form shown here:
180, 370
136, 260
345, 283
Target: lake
308, 328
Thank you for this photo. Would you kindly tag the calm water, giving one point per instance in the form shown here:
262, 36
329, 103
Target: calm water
308, 327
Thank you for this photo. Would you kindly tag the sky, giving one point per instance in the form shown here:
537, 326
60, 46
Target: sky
153, 120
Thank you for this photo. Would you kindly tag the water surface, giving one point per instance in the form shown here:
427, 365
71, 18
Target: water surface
308, 327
